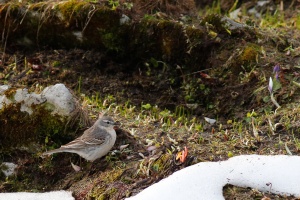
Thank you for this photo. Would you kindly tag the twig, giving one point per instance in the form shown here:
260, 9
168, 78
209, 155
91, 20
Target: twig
196, 72
89, 17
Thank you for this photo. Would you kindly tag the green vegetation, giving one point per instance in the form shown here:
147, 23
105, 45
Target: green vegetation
162, 76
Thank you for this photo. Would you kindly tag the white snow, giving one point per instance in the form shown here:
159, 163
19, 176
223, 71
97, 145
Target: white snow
56, 195
278, 174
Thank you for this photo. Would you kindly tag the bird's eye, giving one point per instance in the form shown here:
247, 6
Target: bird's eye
107, 121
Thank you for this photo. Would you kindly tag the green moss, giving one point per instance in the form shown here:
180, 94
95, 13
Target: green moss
21, 129
105, 188
165, 41
162, 164
298, 22
10, 93
72, 9
245, 60
25, 181
249, 53
169, 44
111, 41
107, 194
214, 20
56, 64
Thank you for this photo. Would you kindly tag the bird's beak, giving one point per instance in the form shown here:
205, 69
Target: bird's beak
117, 123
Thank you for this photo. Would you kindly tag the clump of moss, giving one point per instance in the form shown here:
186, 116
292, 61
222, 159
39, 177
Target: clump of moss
10, 93
19, 129
72, 10
162, 164
14, 130
215, 20
249, 54
105, 186
244, 60
111, 41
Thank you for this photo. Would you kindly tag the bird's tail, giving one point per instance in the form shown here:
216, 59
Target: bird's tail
48, 153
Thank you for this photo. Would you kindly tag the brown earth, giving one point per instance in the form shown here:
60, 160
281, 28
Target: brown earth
224, 77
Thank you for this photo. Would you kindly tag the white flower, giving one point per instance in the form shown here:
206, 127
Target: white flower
270, 87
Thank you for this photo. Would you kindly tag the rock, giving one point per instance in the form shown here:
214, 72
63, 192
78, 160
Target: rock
8, 168
58, 96
27, 119
28, 100
3, 88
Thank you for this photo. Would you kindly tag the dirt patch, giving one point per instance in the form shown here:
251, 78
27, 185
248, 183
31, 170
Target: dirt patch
161, 100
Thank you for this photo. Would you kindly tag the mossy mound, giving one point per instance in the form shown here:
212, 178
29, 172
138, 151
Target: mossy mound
27, 119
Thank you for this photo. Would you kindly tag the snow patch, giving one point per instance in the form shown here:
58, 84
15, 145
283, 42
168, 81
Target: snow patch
276, 174
56, 195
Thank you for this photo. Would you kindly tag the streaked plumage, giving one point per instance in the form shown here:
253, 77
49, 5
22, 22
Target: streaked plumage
95, 141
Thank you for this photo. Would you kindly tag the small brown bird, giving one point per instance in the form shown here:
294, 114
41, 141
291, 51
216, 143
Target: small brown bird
95, 142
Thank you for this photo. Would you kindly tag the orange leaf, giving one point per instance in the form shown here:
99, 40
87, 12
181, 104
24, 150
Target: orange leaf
184, 155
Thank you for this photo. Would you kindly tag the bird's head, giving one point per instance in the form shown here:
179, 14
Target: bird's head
107, 121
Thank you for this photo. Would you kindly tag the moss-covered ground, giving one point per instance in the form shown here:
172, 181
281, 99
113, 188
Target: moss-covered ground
160, 75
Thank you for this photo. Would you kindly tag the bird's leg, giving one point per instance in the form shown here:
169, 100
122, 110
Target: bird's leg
89, 166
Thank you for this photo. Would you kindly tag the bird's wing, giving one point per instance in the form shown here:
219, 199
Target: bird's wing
94, 136
75, 144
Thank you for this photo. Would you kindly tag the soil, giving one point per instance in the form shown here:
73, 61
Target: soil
222, 88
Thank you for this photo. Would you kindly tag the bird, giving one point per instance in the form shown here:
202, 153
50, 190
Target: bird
94, 143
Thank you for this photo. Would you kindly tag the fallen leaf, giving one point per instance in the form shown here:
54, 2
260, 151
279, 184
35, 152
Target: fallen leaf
123, 146
76, 167
210, 121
